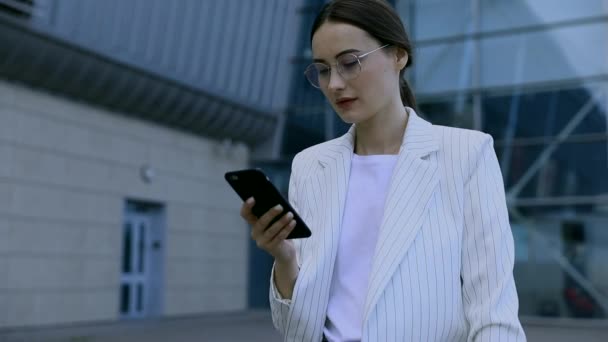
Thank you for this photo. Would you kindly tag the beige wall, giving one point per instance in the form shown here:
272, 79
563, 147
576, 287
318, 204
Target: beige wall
65, 171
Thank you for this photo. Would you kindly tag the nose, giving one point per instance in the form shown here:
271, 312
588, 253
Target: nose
336, 82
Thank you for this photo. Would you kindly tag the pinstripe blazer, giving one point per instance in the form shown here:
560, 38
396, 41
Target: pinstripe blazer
443, 264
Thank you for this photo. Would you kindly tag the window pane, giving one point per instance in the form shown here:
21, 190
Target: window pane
573, 169
140, 297
500, 15
142, 247
456, 111
544, 56
454, 16
126, 248
124, 298
305, 122
539, 114
304, 127
444, 67
545, 286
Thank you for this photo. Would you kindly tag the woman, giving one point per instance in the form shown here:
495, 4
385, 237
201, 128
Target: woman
411, 238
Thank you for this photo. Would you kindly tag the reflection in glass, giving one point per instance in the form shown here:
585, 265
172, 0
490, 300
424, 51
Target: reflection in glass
501, 15
557, 245
455, 17
456, 111
542, 114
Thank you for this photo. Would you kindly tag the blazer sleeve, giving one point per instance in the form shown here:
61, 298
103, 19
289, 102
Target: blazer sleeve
489, 293
279, 306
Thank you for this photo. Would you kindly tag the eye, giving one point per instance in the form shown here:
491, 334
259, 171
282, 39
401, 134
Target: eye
322, 69
349, 62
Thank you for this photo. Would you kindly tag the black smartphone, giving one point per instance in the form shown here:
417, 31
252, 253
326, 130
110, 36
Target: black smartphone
254, 183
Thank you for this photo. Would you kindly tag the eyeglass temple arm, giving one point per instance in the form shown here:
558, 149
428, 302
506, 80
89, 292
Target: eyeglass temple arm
367, 53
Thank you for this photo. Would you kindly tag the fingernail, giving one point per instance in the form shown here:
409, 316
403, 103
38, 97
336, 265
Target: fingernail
290, 215
249, 200
278, 207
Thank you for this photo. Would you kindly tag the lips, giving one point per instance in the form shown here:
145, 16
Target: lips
345, 101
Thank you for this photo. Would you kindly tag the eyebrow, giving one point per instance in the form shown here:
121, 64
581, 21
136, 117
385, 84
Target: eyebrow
320, 60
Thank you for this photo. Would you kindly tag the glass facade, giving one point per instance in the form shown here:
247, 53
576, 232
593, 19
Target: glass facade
307, 113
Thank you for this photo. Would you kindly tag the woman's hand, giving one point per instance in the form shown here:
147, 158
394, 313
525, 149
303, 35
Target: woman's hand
271, 238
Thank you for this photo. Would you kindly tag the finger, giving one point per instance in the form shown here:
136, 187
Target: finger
246, 211
283, 234
270, 232
262, 224
273, 230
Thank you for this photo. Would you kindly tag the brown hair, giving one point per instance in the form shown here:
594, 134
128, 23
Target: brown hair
378, 19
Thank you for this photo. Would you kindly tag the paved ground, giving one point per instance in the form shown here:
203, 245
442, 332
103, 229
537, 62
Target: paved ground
246, 326
253, 326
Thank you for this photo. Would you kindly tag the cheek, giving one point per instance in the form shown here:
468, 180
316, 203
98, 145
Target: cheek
374, 86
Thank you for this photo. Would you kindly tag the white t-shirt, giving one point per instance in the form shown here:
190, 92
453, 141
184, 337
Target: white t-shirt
367, 191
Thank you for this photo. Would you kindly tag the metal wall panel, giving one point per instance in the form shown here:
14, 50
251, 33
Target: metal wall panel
231, 48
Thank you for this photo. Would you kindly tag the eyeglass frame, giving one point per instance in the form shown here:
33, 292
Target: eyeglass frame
330, 66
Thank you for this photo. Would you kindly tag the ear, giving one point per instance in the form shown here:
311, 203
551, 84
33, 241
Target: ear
401, 58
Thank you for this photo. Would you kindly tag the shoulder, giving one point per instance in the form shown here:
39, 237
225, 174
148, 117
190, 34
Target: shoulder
451, 137
463, 148
308, 159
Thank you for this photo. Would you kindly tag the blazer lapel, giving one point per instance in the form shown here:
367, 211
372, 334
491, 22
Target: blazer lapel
335, 162
412, 185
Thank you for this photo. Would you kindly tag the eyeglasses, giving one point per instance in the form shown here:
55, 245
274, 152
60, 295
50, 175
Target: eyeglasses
347, 65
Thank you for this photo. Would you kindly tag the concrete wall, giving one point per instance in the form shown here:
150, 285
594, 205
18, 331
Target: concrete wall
66, 170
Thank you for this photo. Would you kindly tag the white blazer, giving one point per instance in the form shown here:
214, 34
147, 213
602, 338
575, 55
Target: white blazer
443, 265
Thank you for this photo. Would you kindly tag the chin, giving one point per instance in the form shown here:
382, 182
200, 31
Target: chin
351, 117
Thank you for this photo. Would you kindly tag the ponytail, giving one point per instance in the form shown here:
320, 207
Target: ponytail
407, 96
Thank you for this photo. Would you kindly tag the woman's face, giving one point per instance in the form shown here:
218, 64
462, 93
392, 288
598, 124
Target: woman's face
359, 99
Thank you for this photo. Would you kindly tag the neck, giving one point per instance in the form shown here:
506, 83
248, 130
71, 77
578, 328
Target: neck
383, 133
